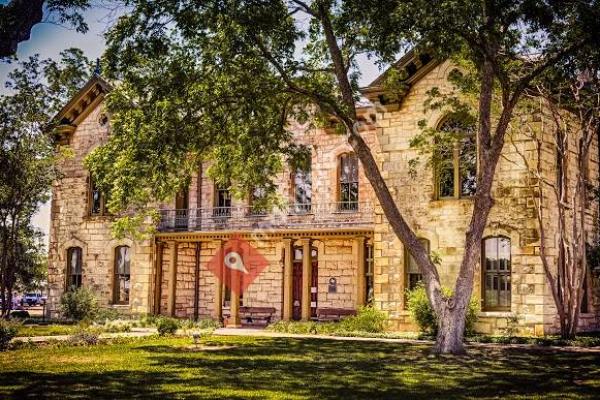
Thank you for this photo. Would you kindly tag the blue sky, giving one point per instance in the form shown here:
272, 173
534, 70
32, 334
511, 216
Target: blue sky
49, 40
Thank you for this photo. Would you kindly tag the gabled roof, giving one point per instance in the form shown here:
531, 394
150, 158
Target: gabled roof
82, 103
413, 65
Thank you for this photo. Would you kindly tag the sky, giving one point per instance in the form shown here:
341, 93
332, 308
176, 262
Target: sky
48, 40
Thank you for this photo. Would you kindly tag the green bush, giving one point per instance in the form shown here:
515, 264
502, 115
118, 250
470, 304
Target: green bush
167, 326
107, 314
423, 315
84, 337
368, 319
116, 326
203, 324
79, 304
8, 330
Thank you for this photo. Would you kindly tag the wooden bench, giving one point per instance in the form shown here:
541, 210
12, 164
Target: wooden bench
256, 316
253, 316
333, 314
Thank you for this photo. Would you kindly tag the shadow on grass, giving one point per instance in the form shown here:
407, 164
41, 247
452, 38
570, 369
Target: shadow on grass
323, 369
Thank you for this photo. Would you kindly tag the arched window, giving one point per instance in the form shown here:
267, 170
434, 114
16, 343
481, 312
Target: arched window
413, 273
456, 160
496, 273
348, 182
74, 267
122, 275
301, 190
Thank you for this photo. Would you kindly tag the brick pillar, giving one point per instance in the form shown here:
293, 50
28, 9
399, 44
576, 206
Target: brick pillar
306, 278
287, 280
172, 287
361, 283
218, 310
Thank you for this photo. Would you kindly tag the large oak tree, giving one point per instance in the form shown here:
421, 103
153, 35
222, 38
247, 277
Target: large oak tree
221, 79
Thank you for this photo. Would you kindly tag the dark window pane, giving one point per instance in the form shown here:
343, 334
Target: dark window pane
468, 167
222, 202
457, 150
122, 274
96, 199
74, 267
497, 287
302, 191
348, 182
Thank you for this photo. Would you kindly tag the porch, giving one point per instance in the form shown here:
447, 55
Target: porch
309, 274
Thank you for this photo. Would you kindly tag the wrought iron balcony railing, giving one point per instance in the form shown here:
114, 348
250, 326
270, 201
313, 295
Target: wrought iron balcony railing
328, 215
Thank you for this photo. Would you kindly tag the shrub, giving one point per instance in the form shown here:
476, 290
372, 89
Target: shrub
203, 324
423, 315
84, 337
116, 326
79, 304
368, 319
167, 326
107, 314
8, 330
19, 314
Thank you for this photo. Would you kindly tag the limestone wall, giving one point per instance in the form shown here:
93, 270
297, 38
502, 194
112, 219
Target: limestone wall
71, 225
443, 222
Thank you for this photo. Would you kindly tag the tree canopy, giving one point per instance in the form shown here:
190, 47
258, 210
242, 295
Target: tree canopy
36, 91
221, 80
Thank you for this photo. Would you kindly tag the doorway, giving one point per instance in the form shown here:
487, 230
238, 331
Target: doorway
297, 284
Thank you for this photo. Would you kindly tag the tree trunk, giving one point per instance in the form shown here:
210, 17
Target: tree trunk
451, 329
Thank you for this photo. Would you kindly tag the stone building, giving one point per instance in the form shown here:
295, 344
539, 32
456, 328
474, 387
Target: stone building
330, 250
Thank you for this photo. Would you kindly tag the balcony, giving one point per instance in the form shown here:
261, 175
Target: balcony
294, 216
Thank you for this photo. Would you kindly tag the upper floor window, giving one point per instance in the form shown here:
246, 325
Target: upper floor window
257, 201
302, 190
496, 273
222, 205
456, 160
122, 275
74, 267
413, 273
182, 204
97, 201
348, 182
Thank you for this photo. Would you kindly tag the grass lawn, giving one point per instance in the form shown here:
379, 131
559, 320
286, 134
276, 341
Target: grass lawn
244, 367
46, 330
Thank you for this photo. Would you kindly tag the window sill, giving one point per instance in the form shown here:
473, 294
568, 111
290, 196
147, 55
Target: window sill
496, 314
117, 306
453, 199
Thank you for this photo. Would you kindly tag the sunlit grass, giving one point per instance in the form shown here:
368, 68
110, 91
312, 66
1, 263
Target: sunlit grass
283, 368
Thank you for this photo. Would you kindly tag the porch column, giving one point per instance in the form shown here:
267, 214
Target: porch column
361, 283
287, 279
235, 321
172, 287
158, 277
306, 278
218, 310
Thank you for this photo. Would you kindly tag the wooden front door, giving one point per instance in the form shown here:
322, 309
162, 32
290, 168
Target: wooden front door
297, 291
